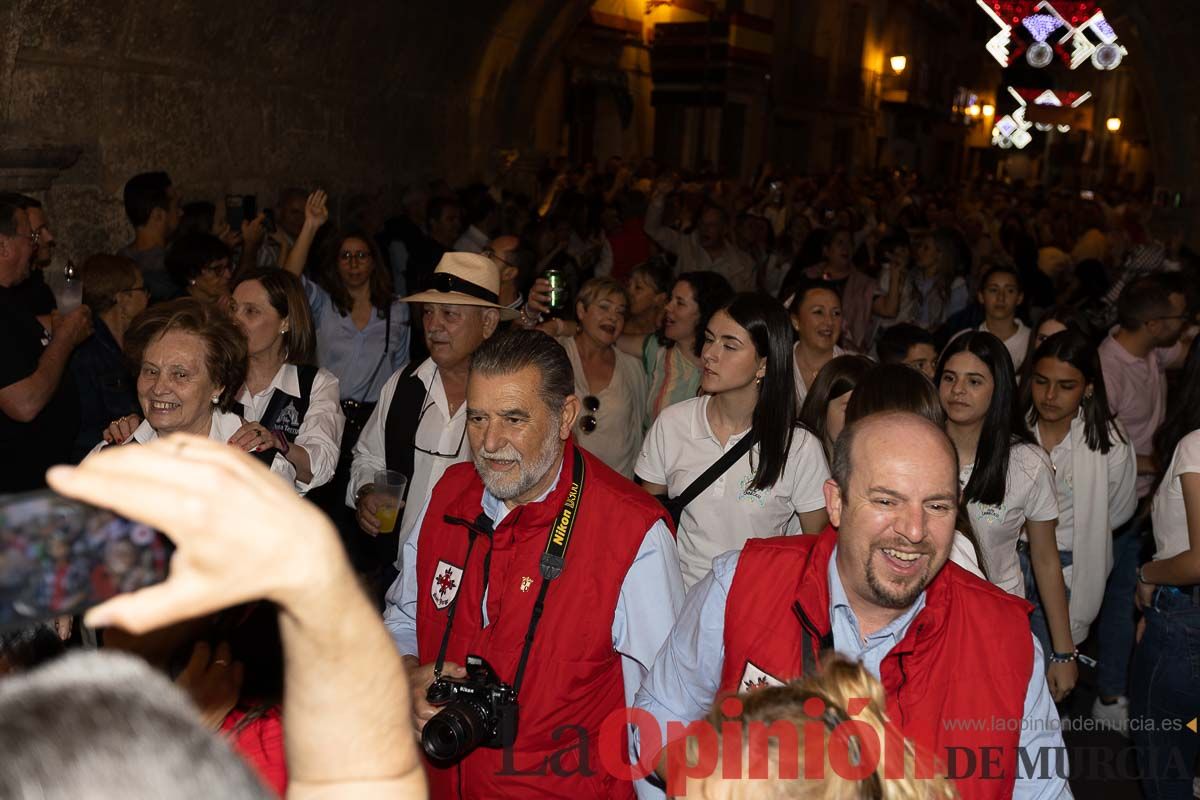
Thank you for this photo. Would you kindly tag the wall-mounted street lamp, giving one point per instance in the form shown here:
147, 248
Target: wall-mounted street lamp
1113, 124
899, 63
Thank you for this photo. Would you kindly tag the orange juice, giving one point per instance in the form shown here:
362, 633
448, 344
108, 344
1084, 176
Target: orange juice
386, 517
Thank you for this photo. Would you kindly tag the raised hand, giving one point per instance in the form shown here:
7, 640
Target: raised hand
316, 213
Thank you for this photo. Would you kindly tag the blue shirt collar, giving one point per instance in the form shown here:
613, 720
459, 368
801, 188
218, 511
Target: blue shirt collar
847, 635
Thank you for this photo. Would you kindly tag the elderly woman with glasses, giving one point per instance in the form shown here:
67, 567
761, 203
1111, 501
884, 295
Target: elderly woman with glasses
202, 267
611, 384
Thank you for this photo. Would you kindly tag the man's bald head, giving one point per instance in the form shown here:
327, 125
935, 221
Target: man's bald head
893, 499
926, 437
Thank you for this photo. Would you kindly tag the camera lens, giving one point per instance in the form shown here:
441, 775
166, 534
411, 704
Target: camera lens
454, 732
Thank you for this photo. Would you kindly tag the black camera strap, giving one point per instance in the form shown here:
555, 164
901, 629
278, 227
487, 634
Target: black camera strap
482, 526
553, 560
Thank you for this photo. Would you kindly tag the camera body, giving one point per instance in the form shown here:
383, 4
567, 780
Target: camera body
479, 710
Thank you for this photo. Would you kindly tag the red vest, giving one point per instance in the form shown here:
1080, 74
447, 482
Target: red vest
573, 678
967, 656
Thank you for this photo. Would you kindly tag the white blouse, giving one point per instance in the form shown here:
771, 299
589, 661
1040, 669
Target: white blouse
617, 437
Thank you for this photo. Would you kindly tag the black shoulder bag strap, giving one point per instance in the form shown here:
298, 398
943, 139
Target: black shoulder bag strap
553, 560
719, 468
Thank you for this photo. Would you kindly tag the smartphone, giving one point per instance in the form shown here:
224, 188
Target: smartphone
60, 557
249, 207
269, 220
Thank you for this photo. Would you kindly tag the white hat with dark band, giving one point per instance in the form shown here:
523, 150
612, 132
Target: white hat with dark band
464, 279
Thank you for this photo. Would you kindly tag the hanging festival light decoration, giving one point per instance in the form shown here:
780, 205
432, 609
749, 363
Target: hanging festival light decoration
1012, 130
1038, 30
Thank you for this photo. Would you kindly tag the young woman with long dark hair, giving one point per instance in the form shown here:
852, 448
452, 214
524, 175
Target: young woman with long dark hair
1166, 674
1007, 481
776, 487
1095, 473
824, 409
1055, 319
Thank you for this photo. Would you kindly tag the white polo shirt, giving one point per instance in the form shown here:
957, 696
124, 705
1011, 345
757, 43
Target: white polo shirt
1168, 512
681, 446
1029, 495
1017, 344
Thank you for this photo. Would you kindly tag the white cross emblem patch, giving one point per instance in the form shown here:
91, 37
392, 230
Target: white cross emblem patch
754, 678
446, 580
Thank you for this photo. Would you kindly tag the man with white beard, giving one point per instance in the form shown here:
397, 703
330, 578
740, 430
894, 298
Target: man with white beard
486, 577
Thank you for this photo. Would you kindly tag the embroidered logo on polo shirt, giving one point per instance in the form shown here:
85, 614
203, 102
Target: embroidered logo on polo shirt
446, 580
992, 515
754, 678
747, 493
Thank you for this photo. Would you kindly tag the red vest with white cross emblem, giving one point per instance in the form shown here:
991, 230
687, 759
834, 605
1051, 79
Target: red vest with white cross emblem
573, 678
967, 656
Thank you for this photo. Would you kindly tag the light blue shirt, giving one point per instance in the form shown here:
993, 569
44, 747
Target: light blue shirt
353, 355
650, 598
687, 672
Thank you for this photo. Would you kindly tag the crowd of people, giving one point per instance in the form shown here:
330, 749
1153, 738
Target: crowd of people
663, 439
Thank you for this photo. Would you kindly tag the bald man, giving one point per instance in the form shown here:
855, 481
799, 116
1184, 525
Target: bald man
959, 665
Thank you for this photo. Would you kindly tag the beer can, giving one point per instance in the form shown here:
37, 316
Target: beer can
558, 289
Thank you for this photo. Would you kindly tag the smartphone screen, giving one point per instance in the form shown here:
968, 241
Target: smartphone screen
61, 556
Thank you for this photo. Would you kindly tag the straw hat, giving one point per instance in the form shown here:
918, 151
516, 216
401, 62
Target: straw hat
465, 279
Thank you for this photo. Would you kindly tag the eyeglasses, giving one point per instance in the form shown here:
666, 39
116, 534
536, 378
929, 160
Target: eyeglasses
357, 255
589, 421
492, 254
425, 406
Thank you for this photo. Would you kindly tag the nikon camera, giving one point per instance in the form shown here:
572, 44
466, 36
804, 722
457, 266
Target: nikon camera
477, 711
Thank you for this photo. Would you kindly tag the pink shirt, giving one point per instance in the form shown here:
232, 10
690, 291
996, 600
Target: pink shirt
1137, 395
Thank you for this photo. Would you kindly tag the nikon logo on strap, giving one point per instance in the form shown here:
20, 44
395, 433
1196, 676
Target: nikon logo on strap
566, 517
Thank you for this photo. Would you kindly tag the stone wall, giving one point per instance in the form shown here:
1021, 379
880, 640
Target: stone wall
245, 98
